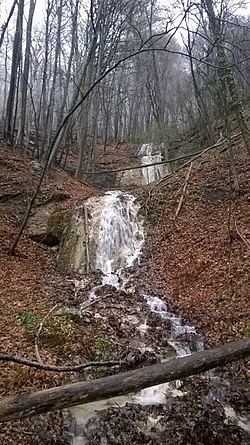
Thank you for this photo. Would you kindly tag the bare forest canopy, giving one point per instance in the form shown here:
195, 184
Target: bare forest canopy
89, 74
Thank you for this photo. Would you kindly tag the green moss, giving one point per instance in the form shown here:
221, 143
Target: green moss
27, 320
56, 224
247, 330
64, 258
56, 332
101, 347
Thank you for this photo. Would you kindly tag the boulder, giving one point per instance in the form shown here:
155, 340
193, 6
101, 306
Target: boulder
45, 225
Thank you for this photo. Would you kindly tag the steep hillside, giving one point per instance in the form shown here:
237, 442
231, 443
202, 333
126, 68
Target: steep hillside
200, 257
30, 286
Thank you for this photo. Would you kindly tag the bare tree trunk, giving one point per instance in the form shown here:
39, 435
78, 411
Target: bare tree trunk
5, 26
5, 80
44, 95
205, 118
226, 74
16, 59
67, 75
25, 77
50, 107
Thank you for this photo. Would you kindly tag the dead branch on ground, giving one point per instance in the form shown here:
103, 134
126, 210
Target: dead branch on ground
38, 357
183, 192
243, 238
54, 368
25, 405
87, 304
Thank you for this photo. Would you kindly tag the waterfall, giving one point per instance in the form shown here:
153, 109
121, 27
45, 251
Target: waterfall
149, 156
121, 234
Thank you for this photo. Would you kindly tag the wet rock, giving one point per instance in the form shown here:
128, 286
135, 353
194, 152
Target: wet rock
45, 225
142, 358
71, 312
129, 178
129, 320
190, 419
8, 192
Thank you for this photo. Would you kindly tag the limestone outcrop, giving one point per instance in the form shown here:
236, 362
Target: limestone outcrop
78, 244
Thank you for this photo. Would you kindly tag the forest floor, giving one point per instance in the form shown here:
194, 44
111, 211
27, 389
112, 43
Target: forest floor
198, 262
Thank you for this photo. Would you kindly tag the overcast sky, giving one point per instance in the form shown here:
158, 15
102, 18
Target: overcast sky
5, 6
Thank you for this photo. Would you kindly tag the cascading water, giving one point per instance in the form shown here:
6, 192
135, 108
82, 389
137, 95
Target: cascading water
148, 156
120, 236
119, 244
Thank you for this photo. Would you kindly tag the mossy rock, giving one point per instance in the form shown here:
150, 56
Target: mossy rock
56, 224
46, 225
72, 254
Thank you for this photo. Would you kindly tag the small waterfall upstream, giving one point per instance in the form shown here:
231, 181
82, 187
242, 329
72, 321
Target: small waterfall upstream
149, 156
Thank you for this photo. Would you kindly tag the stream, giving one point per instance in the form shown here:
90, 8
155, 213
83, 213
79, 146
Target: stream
120, 243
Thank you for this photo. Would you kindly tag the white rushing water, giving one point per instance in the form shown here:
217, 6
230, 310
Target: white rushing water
157, 394
121, 235
179, 330
149, 156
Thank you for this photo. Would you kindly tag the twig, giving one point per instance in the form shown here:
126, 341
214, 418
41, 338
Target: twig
167, 161
90, 303
201, 153
162, 181
241, 235
136, 167
39, 332
70, 368
183, 192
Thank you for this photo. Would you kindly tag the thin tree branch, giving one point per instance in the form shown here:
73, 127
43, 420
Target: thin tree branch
183, 192
39, 332
69, 368
178, 158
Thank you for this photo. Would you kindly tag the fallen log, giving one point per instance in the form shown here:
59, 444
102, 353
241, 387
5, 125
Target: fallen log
25, 405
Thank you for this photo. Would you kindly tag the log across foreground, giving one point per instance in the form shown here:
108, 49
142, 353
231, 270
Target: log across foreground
22, 406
